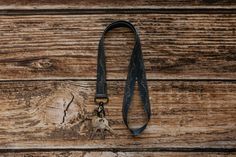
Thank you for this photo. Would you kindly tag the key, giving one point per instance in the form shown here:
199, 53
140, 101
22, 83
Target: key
100, 126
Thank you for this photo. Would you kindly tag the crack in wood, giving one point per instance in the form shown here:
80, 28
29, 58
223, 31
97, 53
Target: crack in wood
67, 107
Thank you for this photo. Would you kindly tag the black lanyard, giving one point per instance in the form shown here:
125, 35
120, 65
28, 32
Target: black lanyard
136, 72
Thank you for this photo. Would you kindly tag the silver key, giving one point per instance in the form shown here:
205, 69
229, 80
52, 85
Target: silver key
100, 126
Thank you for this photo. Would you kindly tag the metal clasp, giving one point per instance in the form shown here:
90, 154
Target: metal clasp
101, 110
101, 100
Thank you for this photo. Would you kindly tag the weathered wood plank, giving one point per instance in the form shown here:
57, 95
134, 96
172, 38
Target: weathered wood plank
104, 4
116, 154
195, 114
175, 46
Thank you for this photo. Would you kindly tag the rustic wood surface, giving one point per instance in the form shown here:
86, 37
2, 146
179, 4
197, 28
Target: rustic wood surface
91, 4
185, 114
175, 46
48, 53
115, 154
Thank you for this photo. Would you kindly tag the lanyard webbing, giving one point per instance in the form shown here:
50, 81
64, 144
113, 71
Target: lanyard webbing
136, 72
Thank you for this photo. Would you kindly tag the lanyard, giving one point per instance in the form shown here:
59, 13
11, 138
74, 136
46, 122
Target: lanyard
136, 72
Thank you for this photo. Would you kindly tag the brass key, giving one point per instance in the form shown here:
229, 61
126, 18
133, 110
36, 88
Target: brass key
100, 124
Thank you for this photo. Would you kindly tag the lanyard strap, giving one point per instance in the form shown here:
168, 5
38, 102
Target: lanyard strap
136, 72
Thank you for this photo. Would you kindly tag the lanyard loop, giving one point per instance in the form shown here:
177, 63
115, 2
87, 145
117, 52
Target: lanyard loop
136, 72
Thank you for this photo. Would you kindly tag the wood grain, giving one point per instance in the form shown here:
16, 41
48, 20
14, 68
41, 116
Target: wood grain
104, 4
116, 154
175, 46
37, 118
185, 114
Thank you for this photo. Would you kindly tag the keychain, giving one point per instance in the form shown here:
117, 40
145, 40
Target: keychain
100, 124
136, 72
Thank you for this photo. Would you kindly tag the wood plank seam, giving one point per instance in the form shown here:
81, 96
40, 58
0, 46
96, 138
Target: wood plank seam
118, 11
157, 149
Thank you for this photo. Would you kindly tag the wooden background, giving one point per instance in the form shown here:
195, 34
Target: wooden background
48, 53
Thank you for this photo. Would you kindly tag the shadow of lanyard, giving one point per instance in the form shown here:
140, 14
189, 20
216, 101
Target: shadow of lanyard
136, 72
